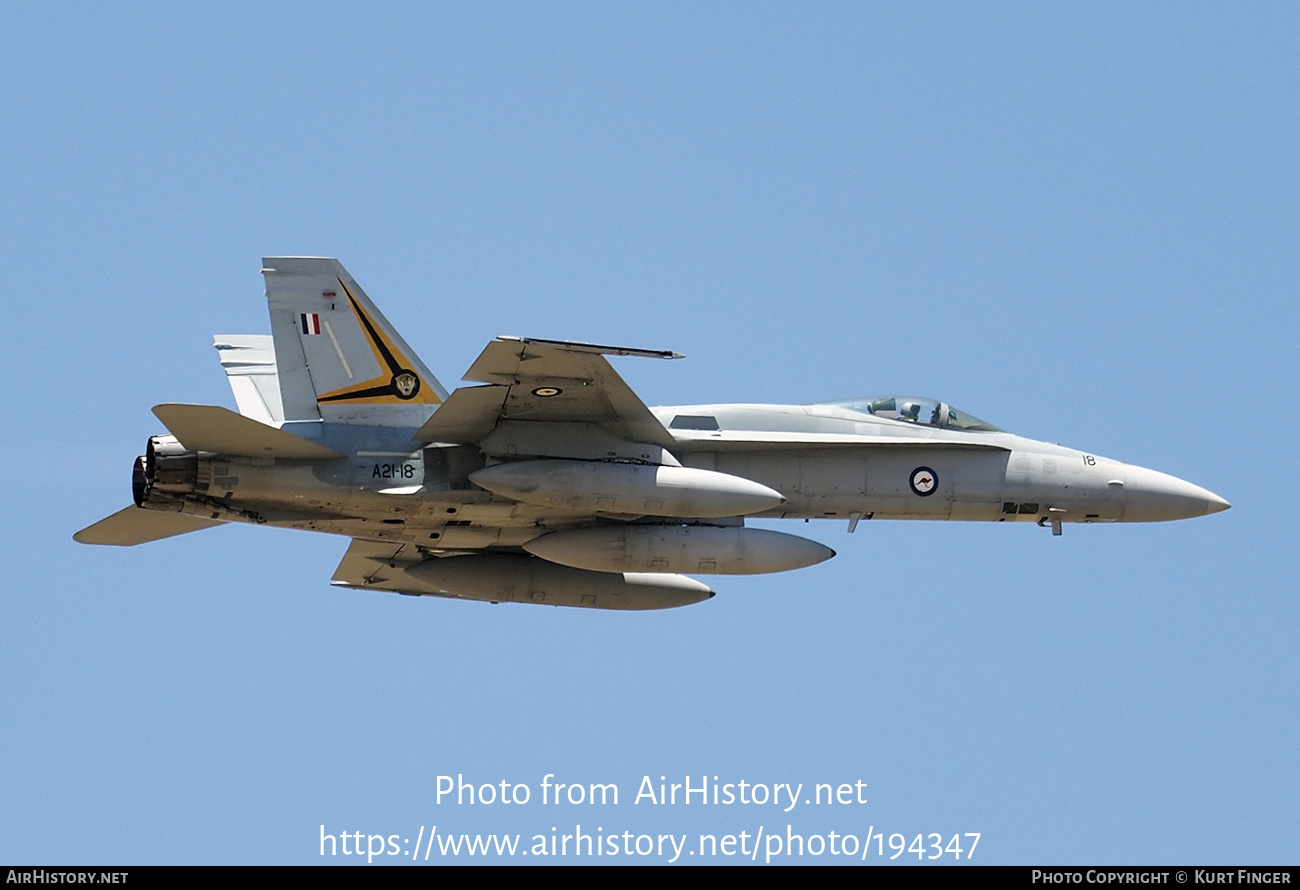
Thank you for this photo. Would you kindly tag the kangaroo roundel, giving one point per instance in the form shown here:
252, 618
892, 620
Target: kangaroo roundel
924, 481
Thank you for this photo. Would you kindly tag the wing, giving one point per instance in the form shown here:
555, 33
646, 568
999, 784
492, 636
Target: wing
373, 565
547, 382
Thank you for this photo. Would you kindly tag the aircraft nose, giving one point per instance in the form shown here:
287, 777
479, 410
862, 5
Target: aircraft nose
1216, 504
1151, 496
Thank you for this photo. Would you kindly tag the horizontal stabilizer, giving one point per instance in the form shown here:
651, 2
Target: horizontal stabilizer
216, 429
134, 525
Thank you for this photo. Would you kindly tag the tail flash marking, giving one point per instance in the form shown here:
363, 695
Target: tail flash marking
338, 350
404, 384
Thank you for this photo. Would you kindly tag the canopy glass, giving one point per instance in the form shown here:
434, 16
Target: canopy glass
914, 409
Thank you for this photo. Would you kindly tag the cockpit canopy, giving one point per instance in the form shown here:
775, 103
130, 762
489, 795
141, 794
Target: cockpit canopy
914, 409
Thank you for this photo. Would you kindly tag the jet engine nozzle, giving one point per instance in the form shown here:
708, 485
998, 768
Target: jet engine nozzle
139, 481
165, 471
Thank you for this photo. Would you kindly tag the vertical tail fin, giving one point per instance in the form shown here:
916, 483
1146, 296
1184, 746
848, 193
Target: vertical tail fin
249, 363
338, 357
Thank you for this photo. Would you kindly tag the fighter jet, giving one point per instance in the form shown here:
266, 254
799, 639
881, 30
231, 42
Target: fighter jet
550, 482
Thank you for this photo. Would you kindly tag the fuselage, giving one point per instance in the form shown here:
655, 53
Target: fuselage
548, 480
831, 462
826, 462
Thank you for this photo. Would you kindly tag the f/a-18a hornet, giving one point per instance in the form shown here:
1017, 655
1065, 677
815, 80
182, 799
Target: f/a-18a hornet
551, 482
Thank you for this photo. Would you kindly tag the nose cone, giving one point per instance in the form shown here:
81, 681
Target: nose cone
1154, 497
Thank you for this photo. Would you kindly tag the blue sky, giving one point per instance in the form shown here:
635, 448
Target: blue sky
1076, 222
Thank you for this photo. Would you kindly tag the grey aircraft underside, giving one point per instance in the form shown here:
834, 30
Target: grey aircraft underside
551, 482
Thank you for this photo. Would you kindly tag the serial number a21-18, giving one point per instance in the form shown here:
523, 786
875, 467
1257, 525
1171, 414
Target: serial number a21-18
394, 471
